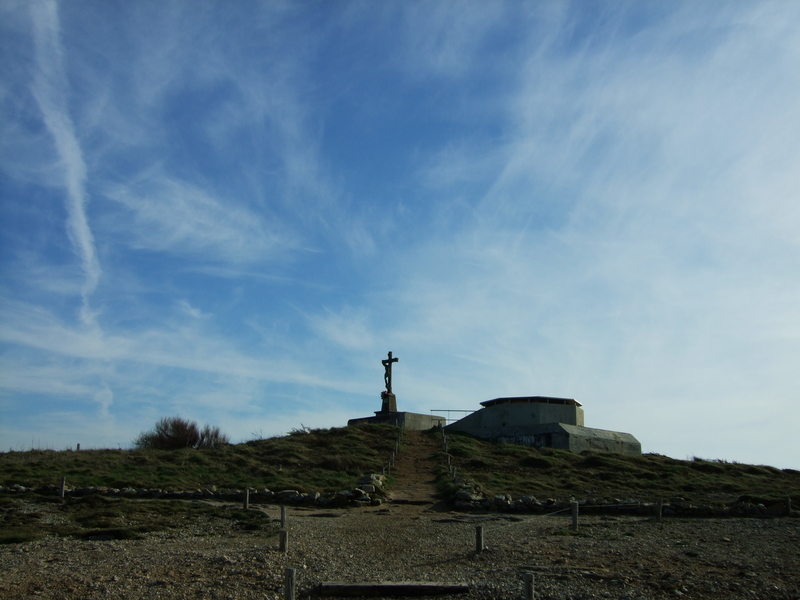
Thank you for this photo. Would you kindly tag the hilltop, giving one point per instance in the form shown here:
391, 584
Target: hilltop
327, 460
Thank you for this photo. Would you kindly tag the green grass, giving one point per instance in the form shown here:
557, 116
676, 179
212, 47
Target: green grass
549, 473
327, 460
323, 460
97, 517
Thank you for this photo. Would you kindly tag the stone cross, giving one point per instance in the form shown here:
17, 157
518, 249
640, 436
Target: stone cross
387, 376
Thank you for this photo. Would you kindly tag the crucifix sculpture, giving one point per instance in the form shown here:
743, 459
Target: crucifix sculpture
387, 376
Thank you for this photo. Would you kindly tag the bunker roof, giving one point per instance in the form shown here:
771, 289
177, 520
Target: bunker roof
530, 400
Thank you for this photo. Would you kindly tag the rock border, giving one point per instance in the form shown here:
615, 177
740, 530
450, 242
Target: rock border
368, 492
470, 498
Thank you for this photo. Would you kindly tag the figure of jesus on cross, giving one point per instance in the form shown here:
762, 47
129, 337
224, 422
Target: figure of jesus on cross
387, 376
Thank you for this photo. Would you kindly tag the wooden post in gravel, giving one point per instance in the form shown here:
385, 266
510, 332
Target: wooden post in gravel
283, 541
574, 516
283, 517
528, 579
289, 584
247, 498
479, 539
61, 487
788, 506
659, 508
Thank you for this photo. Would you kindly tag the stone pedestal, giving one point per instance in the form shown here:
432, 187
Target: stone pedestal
388, 402
404, 420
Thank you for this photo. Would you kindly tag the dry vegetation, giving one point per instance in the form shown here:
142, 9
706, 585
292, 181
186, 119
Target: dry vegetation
175, 433
549, 473
306, 460
28, 517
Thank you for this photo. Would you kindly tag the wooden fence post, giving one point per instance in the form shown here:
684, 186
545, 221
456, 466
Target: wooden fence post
574, 516
61, 488
528, 578
283, 541
289, 584
283, 517
659, 508
247, 498
479, 539
788, 506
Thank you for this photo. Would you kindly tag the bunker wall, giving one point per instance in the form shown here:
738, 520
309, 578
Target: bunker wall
511, 420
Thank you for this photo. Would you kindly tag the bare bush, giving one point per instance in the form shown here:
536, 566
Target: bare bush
212, 437
174, 433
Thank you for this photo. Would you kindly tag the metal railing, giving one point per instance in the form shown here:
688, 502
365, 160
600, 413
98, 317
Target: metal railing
450, 410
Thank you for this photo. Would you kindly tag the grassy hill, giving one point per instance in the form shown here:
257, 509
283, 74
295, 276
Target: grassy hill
328, 460
548, 473
306, 460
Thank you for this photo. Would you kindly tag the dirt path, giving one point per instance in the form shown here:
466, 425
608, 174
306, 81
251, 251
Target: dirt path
415, 471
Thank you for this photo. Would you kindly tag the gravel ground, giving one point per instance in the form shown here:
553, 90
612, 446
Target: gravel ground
414, 539
608, 558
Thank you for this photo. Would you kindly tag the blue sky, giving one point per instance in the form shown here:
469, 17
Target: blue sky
233, 211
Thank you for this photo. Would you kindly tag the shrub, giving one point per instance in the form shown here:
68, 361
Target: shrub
174, 433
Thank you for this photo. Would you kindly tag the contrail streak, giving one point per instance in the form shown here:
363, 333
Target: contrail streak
50, 90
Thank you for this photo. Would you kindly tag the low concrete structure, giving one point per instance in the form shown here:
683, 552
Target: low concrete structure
541, 421
404, 420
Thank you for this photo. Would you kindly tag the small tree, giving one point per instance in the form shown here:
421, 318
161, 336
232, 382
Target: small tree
174, 433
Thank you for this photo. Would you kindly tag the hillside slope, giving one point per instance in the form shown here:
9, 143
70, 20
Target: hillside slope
520, 470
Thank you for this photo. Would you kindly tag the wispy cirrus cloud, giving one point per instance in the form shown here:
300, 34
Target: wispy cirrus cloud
51, 90
190, 310
347, 328
170, 215
236, 130
448, 39
186, 344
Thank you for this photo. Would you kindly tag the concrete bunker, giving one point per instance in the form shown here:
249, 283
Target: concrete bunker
543, 422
